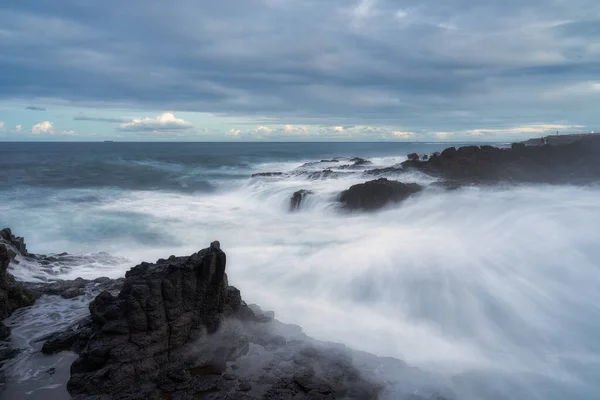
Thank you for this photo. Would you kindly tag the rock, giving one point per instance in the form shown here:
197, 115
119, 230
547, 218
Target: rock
298, 198
357, 162
177, 330
74, 338
413, 156
18, 243
12, 294
575, 162
69, 289
324, 174
376, 194
260, 174
143, 333
394, 170
4, 331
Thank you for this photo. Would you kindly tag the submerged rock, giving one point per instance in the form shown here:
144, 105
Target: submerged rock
376, 194
259, 174
298, 198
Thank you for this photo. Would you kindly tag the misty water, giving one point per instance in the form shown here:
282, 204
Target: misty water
495, 289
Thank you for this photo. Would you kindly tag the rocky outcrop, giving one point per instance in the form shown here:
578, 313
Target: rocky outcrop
12, 294
178, 330
298, 198
574, 162
376, 194
357, 162
267, 174
68, 289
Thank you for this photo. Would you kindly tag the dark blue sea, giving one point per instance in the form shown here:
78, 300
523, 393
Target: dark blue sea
495, 290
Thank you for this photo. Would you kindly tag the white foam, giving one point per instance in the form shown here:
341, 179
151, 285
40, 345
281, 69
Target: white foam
483, 285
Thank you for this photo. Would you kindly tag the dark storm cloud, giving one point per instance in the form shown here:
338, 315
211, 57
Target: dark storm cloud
438, 64
35, 108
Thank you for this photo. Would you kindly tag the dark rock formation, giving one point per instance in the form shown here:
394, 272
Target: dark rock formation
357, 162
413, 156
383, 171
376, 194
178, 331
12, 294
313, 163
69, 289
298, 198
325, 174
574, 162
259, 174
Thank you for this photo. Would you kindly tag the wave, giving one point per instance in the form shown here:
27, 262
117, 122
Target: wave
494, 288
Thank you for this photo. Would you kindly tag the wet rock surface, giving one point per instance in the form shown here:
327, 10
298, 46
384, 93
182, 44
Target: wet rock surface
13, 295
178, 329
373, 195
69, 289
575, 162
298, 198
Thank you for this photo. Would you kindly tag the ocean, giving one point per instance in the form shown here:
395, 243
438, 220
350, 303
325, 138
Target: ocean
496, 290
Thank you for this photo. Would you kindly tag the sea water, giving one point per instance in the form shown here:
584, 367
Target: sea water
495, 288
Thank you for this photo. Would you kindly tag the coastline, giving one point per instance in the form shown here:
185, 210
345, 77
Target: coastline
449, 161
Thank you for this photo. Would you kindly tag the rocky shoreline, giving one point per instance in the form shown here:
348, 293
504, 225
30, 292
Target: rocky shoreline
176, 329
573, 161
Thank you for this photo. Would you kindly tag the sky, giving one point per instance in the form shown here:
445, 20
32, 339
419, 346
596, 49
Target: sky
298, 70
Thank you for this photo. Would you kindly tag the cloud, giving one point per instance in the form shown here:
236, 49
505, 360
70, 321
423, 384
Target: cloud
295, 130
528, 129
234, 132
1, 126
82, 117
403, 135
263, 130
43, 127
163, 123
18, 128
414, 65
35, 108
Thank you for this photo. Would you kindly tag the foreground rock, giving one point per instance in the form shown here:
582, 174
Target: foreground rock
12, 294
376, 194
577, 161
177, 330
68, 289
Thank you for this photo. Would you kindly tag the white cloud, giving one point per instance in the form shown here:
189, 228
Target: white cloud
42, 127
69, 133
163, 123
18, 128
532, 129
1, 126
339, 129
234, 132
295, 130
443, 135
402, 134
263, 129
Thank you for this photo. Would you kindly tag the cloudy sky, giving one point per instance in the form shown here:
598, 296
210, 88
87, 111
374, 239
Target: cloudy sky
298, 69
